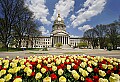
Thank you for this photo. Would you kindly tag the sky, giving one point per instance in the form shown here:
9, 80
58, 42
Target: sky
78, 15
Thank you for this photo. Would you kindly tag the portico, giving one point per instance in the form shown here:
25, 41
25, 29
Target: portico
59, 34
61, 39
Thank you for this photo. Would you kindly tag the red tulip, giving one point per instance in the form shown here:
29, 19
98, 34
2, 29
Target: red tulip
59, 67
96, 78
46, 68
119, 65
77, 62
104, 62
18, 77
75, 67
114, 69
62, 65
96, 70
68, 63
108, 63
0, 67
4, 69
31, 67
50, 69
54, 60
53, 76
109, 72
33, 74
88, 80
67, 57
101, 67
90, 66
65, 63
33, 63
119, 73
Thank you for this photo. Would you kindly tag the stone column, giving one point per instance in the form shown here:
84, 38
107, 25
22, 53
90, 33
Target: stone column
51, 42
65, 39
58, 39
54, 40
62, 39
68, 40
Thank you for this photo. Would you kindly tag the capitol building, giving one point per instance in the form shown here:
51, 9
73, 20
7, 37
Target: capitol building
57, 35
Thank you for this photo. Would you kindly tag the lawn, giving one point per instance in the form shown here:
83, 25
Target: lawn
18, 49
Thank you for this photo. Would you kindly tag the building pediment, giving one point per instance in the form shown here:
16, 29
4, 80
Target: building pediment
59, 33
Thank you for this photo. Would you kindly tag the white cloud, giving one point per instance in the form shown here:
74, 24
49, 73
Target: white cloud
63, 7
72, 17
39, 9
67, 26
74, 36
44, 31
85, 27
90, 8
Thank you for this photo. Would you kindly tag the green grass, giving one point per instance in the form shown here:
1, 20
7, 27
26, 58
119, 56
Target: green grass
18, 49
10, 49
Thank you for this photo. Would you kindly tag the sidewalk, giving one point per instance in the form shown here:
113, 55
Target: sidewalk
93, 52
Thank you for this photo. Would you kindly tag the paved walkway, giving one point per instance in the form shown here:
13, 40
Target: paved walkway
92, 52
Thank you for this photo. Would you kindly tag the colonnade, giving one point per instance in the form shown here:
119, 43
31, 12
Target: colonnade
61, 39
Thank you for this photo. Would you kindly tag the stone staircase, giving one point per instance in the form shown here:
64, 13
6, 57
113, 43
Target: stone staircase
66, 47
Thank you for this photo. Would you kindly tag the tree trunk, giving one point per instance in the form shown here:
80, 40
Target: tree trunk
5, 46
19, 44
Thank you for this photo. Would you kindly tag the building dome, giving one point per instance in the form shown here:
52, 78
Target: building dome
59, 24
59, 18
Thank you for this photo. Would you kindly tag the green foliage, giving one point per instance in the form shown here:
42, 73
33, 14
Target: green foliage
58, 45
109, 46
104, 34
45, 49
1, 45
82, 44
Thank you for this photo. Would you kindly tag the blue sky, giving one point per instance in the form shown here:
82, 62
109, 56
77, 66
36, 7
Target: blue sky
78, 15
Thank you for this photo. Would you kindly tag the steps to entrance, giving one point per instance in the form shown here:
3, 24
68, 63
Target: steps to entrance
65, 47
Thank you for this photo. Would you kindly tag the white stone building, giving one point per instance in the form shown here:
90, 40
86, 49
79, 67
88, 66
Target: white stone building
58, 35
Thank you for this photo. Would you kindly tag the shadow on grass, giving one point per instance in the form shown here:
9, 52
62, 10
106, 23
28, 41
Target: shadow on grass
18, 49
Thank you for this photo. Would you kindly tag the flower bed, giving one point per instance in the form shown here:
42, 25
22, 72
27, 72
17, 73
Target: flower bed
60, 69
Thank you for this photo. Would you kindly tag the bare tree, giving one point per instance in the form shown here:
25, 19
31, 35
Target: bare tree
7, 17
112, 33
22, 21
91, 36
101, 34
16, 21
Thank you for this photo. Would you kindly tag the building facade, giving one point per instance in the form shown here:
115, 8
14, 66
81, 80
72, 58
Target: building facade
58, 35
